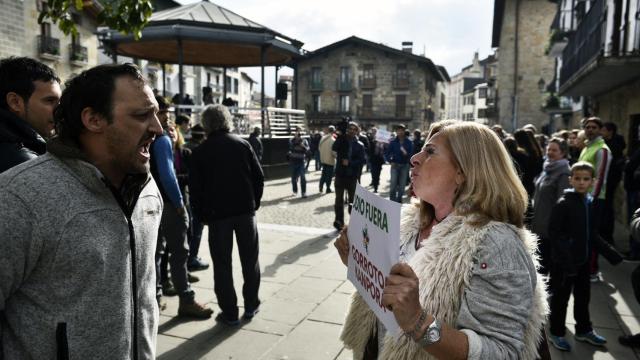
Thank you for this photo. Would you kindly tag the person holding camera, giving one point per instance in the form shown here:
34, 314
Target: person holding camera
350, 158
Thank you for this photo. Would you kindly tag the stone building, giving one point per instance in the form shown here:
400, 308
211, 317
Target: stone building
471, 92
521, 33
373, 83
66, 54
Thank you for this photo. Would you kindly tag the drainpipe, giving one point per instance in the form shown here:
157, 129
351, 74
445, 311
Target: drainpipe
514, 116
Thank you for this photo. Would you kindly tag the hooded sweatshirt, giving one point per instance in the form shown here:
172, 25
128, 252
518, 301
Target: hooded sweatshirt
77, 278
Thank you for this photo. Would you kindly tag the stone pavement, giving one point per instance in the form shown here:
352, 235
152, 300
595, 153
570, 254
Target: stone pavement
305, 294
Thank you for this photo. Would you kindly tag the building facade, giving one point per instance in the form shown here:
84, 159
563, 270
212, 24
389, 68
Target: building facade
471, 93
373, 83
66, 54
521, 33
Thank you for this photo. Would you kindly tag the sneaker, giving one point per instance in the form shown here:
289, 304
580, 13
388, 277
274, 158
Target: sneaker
329, 191
197, 264
592, 338
304, 195
249, 314
223, 319
594, 278
630, 340
337, 225
194, 310
168, 289
192, 278
559, 342
633, 259
294, 194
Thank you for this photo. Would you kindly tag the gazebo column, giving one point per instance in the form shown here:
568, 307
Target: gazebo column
275, 84
295, 85
224, 83
263, 51
180, 74
164, 81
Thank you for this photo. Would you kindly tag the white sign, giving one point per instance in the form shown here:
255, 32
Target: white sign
374, 241
383, 136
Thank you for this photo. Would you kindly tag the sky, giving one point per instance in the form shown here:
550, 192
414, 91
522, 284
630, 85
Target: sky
446, 31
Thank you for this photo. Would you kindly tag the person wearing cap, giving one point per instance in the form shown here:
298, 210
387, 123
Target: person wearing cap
398, 153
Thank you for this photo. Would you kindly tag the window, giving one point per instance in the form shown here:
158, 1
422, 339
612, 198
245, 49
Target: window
367, 72
45, 30
482, 93
344, 103
345, 74
401, 105
442, 101
402, 76
235, 86
315, 75
367, 105
227, 83
316, 102
482, 113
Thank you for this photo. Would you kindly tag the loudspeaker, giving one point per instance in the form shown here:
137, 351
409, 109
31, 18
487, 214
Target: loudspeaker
281, 91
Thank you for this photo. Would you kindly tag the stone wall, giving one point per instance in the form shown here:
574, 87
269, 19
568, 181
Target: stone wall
535, 17
418, 98
11, 27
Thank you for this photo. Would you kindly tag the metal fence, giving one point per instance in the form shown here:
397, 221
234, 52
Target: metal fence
279, 122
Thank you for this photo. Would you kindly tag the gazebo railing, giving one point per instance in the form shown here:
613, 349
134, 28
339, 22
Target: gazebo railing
279, 122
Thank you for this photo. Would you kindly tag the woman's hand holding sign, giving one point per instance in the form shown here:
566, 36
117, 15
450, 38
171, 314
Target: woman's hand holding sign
401, 296
342, 244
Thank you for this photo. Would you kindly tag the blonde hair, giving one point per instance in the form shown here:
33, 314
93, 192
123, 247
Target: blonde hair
491, 189
179, 138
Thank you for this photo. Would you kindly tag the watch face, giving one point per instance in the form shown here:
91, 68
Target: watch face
433, 335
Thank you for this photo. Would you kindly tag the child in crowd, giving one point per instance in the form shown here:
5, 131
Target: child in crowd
573, 235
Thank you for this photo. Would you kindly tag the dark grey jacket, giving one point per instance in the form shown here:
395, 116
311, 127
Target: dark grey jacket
77, 272
550, 186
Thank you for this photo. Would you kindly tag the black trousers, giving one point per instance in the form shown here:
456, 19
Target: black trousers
341, 184
376, 168
221, 245
561, 287
172, 238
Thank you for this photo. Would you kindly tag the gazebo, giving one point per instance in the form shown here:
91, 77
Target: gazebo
206, 34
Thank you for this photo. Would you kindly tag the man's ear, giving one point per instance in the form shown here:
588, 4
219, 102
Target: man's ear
92, 121
15, 102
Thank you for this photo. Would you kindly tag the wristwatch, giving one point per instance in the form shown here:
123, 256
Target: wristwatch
432, 335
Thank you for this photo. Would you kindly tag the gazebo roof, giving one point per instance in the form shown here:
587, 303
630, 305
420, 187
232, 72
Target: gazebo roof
209, 35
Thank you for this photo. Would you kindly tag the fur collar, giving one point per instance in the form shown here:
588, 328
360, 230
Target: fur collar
444, 264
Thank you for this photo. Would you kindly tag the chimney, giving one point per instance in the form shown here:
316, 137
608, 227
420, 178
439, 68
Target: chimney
407, 46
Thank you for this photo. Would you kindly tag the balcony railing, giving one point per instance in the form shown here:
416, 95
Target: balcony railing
401, 82
586, 43
48, 46
316, 85
78, 53
367, 82
386, 112
344, 85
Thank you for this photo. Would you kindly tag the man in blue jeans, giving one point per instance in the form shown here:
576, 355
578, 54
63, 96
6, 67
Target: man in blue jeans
298, 149
398, 154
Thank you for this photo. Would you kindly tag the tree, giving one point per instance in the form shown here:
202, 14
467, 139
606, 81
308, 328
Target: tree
126, 16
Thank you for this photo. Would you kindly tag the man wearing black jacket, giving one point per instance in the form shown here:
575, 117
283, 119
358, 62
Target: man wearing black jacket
29, 91
226, 182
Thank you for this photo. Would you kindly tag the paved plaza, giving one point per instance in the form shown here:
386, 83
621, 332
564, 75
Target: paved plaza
305, 293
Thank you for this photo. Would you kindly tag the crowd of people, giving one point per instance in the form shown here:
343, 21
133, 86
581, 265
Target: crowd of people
105, 194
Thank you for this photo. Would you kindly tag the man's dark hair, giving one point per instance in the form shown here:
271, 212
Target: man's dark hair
182, 119
611, 127
93, 88
17, 75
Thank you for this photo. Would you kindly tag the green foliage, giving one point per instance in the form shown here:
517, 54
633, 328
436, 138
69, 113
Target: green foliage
126, 16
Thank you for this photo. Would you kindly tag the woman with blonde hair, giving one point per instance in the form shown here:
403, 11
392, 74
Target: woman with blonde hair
466, 285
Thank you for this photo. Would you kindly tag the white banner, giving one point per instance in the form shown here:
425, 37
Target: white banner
374, 236
383, 136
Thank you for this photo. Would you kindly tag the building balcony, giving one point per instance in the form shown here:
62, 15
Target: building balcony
316, 85
599, 56
367, 83
401, 82
390, 113
48, 47
78, 55
558, 41
344, 85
